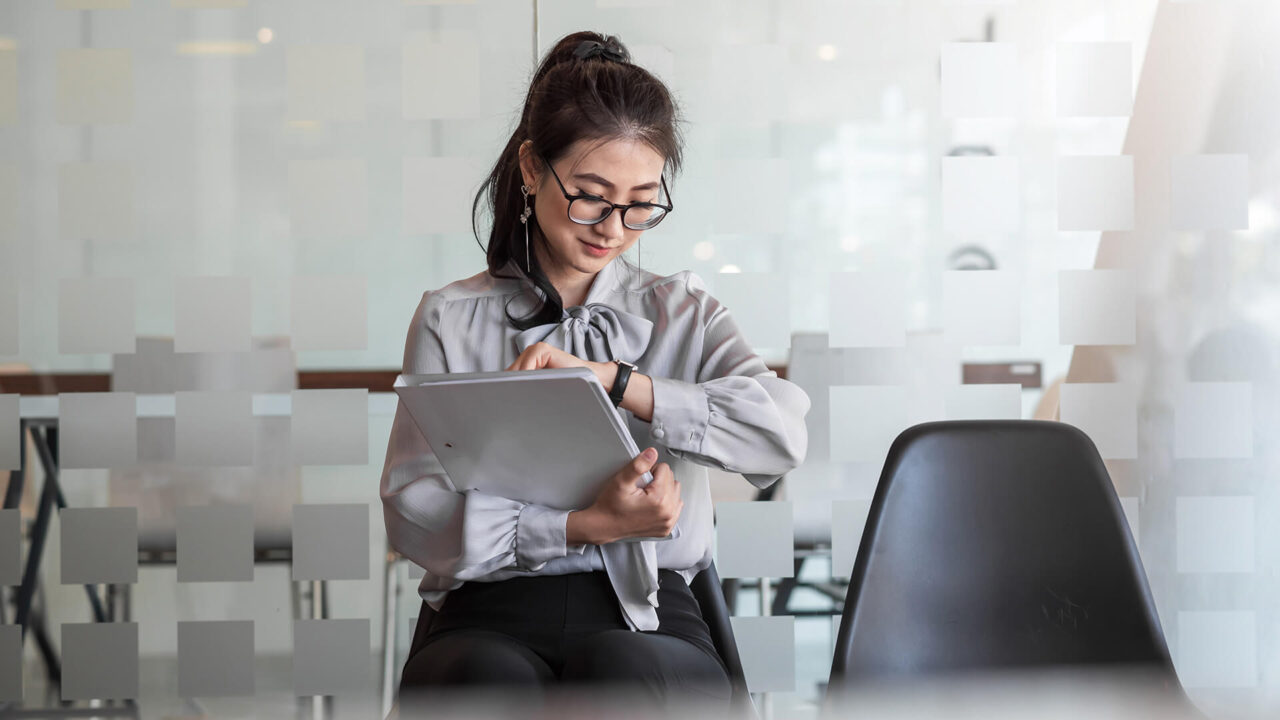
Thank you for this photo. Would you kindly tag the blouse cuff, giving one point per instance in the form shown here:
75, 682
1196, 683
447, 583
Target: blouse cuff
540, 536
681, 411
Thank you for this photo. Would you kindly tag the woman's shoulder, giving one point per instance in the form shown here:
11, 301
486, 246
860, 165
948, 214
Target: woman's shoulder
684, 282
480, 285
677, 288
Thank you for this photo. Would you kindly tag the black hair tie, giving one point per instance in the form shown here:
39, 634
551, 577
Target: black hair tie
591, 48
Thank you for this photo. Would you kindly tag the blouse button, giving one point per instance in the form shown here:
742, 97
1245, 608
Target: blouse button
659, 433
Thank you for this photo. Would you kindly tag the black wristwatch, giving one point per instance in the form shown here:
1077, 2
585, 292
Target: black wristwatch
620, 382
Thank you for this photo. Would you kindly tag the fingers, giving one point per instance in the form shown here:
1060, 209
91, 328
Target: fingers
527, 360
642, 463
664, 489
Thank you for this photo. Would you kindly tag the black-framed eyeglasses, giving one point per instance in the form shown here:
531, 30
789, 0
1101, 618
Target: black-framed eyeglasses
587, 209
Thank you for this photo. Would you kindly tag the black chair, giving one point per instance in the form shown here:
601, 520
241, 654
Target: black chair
707, 591
996, 545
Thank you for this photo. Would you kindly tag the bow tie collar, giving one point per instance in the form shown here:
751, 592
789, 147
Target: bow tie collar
595, 332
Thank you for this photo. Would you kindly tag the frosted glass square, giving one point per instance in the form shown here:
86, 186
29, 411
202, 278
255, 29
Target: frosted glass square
326, 82
1217, 649
868, 366
438, 192
10, 320
755, 539
752, 192
1107, 413
765, 65
865, 419
330, 427
93, 4
1096, 307
868, 309
209, 3
95, 201
212, 314
440, 79
767, 646
980, 195
982, 307
215, 658
1209, 192
984, 402
96, 315
97, 430
330, 656
10, 661
10, 547
1213, 420
215, 543
848, 520
1095, 193
99, 660
931, 363
1095, 79
94, 86
759, 304
99, 545
633, 3
10, 433
980, 79
8, 86
9, 191
330, 313
657, 59
328, 198
213, 428
331, 542
1216, 534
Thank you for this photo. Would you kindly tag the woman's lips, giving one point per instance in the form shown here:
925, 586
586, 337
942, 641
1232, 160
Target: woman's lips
595, 249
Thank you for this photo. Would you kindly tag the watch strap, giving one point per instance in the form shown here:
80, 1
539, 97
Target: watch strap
620, 382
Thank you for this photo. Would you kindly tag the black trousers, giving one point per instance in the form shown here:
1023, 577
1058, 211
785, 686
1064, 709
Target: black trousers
528, 633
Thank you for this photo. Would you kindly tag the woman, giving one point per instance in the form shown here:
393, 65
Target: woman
529, 595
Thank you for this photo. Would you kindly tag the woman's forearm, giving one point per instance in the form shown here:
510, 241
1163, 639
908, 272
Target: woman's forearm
638, 397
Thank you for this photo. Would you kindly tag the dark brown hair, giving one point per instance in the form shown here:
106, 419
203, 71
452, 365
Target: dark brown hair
572, 99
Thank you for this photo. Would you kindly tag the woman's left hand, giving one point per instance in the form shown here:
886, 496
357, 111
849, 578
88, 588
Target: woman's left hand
545, 355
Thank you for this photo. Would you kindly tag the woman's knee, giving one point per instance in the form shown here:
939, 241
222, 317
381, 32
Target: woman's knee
665, 665
474, 659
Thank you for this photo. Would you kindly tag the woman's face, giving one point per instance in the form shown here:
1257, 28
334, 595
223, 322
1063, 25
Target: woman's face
620, 171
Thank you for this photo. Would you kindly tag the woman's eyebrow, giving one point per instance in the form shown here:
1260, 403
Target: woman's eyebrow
592, 177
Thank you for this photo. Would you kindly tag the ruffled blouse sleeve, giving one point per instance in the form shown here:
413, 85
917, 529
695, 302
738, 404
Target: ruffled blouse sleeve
738, 415
460, 535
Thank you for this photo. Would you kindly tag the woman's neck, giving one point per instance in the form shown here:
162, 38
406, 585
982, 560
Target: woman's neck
571, 285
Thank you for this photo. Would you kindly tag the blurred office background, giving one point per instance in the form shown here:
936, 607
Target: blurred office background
217, 217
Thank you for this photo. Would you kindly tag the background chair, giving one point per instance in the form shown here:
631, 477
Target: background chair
995, 545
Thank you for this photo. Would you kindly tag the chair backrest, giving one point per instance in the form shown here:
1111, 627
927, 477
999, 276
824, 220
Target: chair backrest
995, 544
709, 592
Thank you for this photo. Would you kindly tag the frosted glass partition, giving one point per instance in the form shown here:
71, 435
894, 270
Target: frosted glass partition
880, 191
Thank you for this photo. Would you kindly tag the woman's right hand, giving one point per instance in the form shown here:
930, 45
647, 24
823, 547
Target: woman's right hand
622, 510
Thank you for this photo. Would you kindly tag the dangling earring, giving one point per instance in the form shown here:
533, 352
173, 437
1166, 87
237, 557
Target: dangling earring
524, 220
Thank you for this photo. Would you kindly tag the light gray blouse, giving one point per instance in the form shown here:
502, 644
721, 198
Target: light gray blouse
715, 403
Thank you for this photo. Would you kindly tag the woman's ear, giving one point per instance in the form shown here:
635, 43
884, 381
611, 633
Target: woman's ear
528, 166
